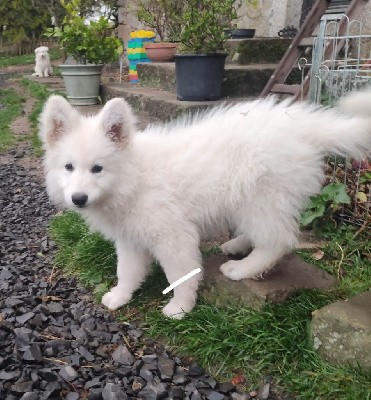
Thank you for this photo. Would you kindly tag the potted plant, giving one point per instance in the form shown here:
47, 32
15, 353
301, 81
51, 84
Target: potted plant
200, 64
164, 18
91, 45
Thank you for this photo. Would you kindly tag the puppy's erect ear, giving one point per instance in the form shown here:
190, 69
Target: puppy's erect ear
57, 117
118, 121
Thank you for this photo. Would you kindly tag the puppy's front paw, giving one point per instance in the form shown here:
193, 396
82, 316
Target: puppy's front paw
235, 270
115, 298
173, 311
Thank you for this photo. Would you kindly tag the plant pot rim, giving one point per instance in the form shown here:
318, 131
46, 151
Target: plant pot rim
79, 65
161, 44
194, 55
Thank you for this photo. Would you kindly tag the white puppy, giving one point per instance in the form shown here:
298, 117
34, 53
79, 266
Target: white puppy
250, 167
42, 65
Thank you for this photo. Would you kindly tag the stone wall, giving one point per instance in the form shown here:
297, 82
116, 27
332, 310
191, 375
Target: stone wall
270, 16
127, 20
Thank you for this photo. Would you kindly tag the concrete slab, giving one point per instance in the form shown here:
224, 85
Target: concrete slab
90, 110
341, 332
286, 278
158, 105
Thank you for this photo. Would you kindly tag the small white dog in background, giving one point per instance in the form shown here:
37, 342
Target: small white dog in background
250, 167
42, 65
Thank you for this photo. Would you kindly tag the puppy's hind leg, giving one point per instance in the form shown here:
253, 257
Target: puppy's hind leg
273, 234
241, 244
132, 267
260, 260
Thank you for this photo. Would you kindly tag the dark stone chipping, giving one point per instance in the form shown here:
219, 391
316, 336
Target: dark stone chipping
123, 356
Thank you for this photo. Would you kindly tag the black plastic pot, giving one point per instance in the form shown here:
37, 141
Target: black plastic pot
242, 33
199, 76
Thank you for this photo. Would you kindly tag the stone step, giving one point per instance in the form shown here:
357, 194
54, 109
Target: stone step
256, 50
156, 104
290, 275
239, 80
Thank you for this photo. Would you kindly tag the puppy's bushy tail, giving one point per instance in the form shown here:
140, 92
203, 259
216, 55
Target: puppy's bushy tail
345, 130
357, 103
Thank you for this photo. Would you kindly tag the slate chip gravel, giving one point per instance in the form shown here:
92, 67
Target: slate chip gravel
55, 343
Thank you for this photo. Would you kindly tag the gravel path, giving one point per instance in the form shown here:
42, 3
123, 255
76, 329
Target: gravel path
55, 343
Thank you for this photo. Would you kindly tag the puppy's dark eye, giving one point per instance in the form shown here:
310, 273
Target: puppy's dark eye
69, 167
96, 169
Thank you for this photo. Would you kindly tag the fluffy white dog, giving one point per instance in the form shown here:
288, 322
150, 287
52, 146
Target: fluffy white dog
42, 65
250, 167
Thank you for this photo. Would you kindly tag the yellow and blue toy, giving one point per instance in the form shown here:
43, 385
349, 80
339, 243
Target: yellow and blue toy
137, 52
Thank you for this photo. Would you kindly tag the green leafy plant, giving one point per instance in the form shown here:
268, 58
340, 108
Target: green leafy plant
204, 23
91, 42
330, 197
164, 17
365, 177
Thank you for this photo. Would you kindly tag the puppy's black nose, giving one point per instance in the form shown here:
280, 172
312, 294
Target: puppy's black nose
79, 199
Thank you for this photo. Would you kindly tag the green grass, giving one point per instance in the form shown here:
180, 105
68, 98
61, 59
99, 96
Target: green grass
12, 104
7, 61
272, 341
41, 93
11, 108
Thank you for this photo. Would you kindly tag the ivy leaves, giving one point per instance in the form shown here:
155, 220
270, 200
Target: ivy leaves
331, 196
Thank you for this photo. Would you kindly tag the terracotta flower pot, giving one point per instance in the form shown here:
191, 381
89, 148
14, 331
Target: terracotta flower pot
161, 52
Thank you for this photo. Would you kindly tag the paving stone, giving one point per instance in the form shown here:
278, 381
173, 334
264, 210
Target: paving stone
341, 332
286, 278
